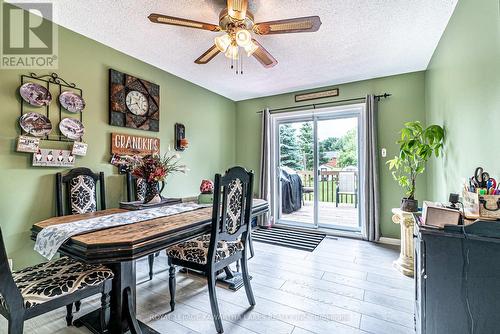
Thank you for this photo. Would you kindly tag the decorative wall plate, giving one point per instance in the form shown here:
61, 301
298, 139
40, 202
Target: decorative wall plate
35, 94
72, 102
35, 124
72, 128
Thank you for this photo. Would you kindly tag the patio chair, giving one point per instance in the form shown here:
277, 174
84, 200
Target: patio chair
347, 188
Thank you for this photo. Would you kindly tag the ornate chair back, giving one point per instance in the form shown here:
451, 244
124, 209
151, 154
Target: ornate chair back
231, 209
81, 191
136, 188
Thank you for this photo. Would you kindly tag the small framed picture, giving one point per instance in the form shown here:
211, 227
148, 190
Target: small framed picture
28, 144
53, 158
79, 148
317, 95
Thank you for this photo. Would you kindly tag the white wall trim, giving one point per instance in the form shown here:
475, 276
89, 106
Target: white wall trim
390, 241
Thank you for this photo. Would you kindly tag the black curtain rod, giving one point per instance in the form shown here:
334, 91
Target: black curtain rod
323, 104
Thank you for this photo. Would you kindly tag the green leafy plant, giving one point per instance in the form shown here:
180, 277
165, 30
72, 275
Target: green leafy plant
416, 146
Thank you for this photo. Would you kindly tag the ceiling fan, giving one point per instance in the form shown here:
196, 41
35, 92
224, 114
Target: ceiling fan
237, 23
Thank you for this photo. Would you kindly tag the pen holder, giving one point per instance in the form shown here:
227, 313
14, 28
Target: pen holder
481, 206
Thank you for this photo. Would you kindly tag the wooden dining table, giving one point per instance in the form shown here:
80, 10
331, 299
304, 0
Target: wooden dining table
119, 247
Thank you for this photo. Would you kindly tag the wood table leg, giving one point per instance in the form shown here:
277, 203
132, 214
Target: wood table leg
123, 305
233, 280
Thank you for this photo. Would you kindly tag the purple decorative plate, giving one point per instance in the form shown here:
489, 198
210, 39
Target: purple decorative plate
35, 124
35, 94
72, 102
72, 128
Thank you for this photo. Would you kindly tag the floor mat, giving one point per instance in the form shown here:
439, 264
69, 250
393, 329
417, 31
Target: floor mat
286, 237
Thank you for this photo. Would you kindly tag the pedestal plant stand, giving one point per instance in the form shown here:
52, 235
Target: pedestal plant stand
404, 264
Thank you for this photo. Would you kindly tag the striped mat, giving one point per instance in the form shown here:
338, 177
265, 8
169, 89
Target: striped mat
286, 237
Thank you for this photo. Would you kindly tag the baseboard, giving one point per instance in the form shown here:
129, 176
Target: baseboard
342, 234
390, 241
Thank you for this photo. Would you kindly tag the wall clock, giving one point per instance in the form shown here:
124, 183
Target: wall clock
134, 102
137, 103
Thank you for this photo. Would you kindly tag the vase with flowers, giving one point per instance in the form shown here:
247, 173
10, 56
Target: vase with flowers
154, 169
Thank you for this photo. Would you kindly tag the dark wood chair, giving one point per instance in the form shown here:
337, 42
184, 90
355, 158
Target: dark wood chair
80, 185
136, 191
227, 242
36, 290
81, 191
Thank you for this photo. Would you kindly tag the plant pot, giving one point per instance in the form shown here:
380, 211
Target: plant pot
409, 205
152, 195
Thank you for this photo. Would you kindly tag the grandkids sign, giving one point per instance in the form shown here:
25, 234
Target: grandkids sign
122, 144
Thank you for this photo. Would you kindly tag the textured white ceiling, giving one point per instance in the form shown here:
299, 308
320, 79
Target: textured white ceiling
359, 39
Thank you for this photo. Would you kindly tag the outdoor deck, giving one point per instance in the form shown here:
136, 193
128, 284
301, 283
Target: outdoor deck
346, 215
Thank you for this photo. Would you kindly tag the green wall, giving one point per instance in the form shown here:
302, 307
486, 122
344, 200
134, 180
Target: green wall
462, 86
460, 89
406, 104
27, 193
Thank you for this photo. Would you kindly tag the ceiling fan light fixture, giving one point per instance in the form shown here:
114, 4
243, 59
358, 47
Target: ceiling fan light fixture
232, 52
237, 9
243, 37
251, 48
223, 42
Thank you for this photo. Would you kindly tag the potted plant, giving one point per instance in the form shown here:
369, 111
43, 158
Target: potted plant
154, 169
416, 146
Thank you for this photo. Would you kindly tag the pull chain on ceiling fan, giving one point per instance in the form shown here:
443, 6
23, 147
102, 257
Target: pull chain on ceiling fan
237, 23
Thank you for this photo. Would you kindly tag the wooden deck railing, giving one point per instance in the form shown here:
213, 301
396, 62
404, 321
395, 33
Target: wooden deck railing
327, 185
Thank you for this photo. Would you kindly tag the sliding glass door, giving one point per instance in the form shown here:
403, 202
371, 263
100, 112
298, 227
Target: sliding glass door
338, 172
317, 164
296, 171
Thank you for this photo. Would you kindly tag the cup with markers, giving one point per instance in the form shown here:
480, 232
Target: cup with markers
482, 195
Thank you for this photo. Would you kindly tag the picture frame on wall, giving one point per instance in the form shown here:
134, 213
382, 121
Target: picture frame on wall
317, 95
133, 102
79, 148
53, 158
28, 144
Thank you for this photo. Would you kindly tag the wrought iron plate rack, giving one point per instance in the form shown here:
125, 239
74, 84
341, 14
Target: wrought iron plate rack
51, 80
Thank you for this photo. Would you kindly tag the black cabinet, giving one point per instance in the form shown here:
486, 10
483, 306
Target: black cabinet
419, 277
457, 279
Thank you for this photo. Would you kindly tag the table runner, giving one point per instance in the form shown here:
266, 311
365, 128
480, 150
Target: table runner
51, 238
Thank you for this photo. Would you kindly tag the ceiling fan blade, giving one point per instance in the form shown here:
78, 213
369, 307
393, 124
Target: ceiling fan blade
177, 21
263, 56
237, 9
208, 55
299, 24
